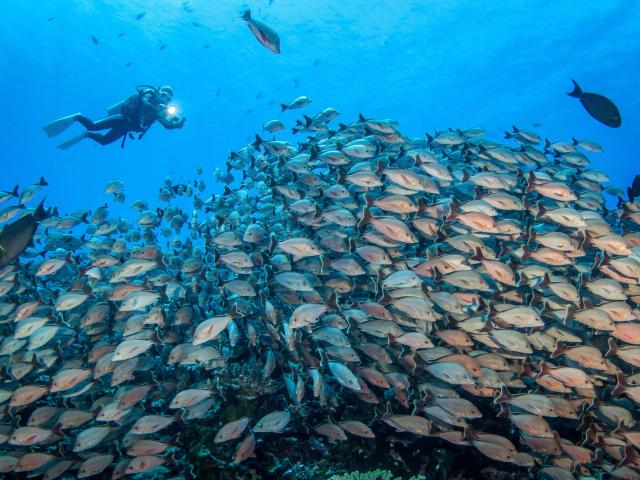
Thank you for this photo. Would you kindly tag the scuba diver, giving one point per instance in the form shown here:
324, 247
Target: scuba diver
135, 114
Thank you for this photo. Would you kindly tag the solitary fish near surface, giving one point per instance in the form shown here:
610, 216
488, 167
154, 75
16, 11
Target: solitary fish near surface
598, 106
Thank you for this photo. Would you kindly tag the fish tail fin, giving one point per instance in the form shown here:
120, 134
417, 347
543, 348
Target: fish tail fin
515, 129
386, 298
503, 249
342, 177
437, 274
429, 139
508, 135
544, 369
621, 384
577, 91
559, 350
57, 430
257, 142
422, 206
307, 120
469, 433
42, 182
536, 298
246, 16
453, 211
40, 213
477, 193
379, 167
597, 262
547, 144
531, 182
163, 293
586, 240
575, 140
620, 429
477, 257
491, 311
366, 217
342, 127
504, 411
234, 313
570, 313
313, 154
526, 370
524, 280
325, 263
530, 235
368, 200
332, 302
541, 211
361, 118
283, 107
630, 456
502, 397
14, 192
546, 280
613, 348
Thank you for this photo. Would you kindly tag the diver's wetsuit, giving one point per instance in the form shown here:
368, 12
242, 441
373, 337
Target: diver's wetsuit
118, 124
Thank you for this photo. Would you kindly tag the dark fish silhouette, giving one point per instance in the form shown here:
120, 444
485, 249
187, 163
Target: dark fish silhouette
264, 34
140, 16
120, 35
634, 190
51, 19
196, 24
95, 40
598, 106
17, 236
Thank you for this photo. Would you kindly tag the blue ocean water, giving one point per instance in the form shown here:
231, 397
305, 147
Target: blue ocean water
428, 64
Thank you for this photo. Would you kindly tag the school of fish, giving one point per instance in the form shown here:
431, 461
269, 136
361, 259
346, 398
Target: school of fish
431, 283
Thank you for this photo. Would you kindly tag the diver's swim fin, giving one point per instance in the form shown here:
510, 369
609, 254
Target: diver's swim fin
72, 141
58, 126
